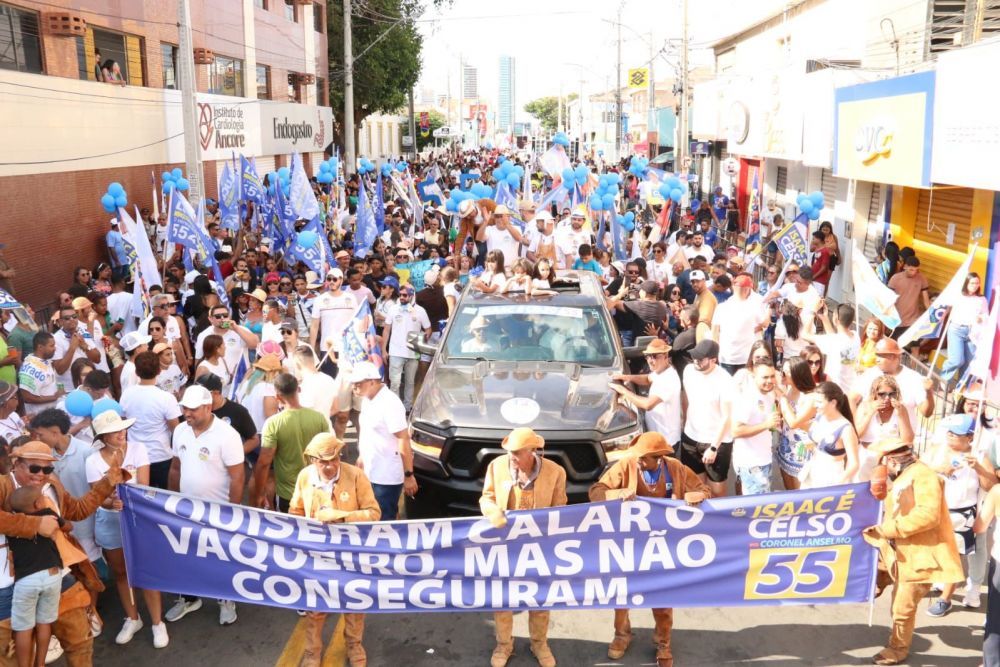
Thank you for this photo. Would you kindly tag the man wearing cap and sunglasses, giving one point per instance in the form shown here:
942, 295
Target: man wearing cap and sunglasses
402, 319
706, 440
332, 491
332, 310
239, 340
915, 540
662, 404
916, 392
501, 235
521, 480
648, 470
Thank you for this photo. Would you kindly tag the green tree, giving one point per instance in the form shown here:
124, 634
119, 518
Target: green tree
386, 47
437, 120
546, 110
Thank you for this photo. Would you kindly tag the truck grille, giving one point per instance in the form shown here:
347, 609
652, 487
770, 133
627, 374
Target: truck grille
469, 458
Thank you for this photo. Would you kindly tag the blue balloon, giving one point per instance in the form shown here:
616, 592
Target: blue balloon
166, 176
497, 175
676, 194
800, 198
401, 167
177, 173
664, 190
567, 175
614, 178
673, 182
116, 189
630, 216
519, 170
813, 214
105, 404
451, 205
386, 169
817, 199
806, 206
307, 238
627, 225
608, 201
695, 204
108, 202
513, 180
596, 203
182, 184
121, 201
324, 167
284, 173
79, 403
168, 187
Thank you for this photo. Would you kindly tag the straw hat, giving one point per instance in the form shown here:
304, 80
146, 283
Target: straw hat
259, 294
522, 438
109, 422
268, 363
323, 446
885, 446
656, 346
35, 450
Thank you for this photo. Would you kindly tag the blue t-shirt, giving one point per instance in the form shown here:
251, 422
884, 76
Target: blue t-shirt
116, 244
590, 265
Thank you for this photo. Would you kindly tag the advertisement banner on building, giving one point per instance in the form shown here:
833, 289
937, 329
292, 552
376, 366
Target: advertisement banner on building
800, 547
966, 129
287, 128
228, 125
638, 77
425, 124
883, 130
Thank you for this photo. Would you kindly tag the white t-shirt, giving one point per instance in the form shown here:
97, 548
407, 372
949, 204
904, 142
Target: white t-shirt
205, 458
120, 306
568, 242
62, 347
317, 391
493, 279
841, 353
151, 407
361, 295
704, 251
39, 378
752, 408
665, 416
660, 271
270, 331
235, 347
219, 369
911, 389
12, 427
791, 347
404, 320
254, 401
136, 457
737, 320
503, 241
381, 417
171, 379
334, 313
706, 393
172, 333
128, 378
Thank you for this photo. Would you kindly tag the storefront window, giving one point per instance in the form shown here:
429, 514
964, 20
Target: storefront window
225, 76
263, 76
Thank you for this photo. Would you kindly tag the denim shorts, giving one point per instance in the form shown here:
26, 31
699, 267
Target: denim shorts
6, 599
107, 529
36, 600
755, 479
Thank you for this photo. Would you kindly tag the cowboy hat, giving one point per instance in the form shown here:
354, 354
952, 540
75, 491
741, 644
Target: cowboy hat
312, 280
649, 444
323, 446
259, 294
522, 438
656, 346
268, 363
36, 450
880, 448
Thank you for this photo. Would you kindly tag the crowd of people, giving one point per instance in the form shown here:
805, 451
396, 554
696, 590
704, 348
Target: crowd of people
242, 393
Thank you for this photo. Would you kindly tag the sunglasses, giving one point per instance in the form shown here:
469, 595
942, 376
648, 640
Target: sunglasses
218, 316
333, 279
286, 332
886, 394
657, 252
34, 469
815, 362
74, 316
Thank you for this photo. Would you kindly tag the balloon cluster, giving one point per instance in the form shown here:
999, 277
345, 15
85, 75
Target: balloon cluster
672, 189
578, 176
174, 179
456, 198
283, 177
509, 172
638, 166
481, 191
603, 198
365, 166
114, 198
327, 171
80, 404
560, 139
627, 221
811, 204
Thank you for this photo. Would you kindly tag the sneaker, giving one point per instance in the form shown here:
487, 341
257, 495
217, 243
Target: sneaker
128, 630
972, 599
160, 638
227, 612
181, 609
939, 608
96, 624
55, 651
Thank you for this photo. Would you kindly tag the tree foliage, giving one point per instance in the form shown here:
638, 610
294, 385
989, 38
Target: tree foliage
546, 110
437, 120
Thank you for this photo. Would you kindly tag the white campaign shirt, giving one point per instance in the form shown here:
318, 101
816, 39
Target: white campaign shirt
503, 241
752, 408
120, 306
334, 313
911, 389
254, 402
205, 458
841, 353
381, 417
404, 320
71, 467
665, 416
361, 295
568, 242
317, 391
37, 376
737, 320
151, 407
235, 347
705, 395
62, 347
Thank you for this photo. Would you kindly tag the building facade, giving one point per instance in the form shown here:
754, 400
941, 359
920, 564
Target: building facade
262, 90
507, 105
470, 82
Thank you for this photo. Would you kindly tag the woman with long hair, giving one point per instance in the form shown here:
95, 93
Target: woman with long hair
759, 353
102, 278
833, 440
880, 415
464, 267
797, 412
388, 297
214, 361
257, 393
113, 448
817, 363
968, 312
871, 333
788, 341
452, 290
889, 266
255, 316
171, 378
81, 282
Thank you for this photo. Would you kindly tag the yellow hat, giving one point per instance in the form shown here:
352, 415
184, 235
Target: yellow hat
323, 446
880, 448
522, 438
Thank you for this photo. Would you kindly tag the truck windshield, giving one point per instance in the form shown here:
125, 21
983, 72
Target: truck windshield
531, 332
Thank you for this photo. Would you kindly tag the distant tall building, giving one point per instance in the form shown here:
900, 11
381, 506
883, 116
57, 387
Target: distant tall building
470, 83
505, 112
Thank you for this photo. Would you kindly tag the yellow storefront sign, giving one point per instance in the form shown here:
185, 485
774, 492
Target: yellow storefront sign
638, 78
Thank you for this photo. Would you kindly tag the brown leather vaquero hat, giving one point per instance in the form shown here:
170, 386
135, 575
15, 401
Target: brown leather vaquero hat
522, 438
650, 444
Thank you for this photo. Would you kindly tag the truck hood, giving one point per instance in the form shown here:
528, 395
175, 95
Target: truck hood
547, 396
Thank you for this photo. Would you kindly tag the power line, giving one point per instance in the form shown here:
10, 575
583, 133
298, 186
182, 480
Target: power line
92, 157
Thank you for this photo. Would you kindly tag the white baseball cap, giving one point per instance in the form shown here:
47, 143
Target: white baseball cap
696, 275
196, 396
134, 339
365, 370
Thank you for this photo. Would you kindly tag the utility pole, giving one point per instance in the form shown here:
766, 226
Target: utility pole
559, 120
350, 158
413, 129
651, 116
618, 90
189, 105
681, 149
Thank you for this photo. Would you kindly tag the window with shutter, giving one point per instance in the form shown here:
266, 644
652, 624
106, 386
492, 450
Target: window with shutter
781, 183
134, 57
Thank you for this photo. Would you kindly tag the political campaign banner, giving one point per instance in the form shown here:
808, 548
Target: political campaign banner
792, 243
800, 547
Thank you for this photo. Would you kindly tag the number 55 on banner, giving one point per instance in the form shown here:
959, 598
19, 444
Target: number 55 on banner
795, 574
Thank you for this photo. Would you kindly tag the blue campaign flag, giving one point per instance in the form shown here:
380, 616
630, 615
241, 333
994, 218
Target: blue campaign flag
379, 205
209, 256
241, 370
182, 224
229, 195
251, 188
365, 230
789, 548
300, 193
8, 301
359, 341
430, 191
504, 195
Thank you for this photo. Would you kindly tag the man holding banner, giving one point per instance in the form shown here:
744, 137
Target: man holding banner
521, 480
649, 471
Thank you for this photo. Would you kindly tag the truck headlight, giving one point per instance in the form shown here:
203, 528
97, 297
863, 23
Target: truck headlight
620, 442
426, 442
